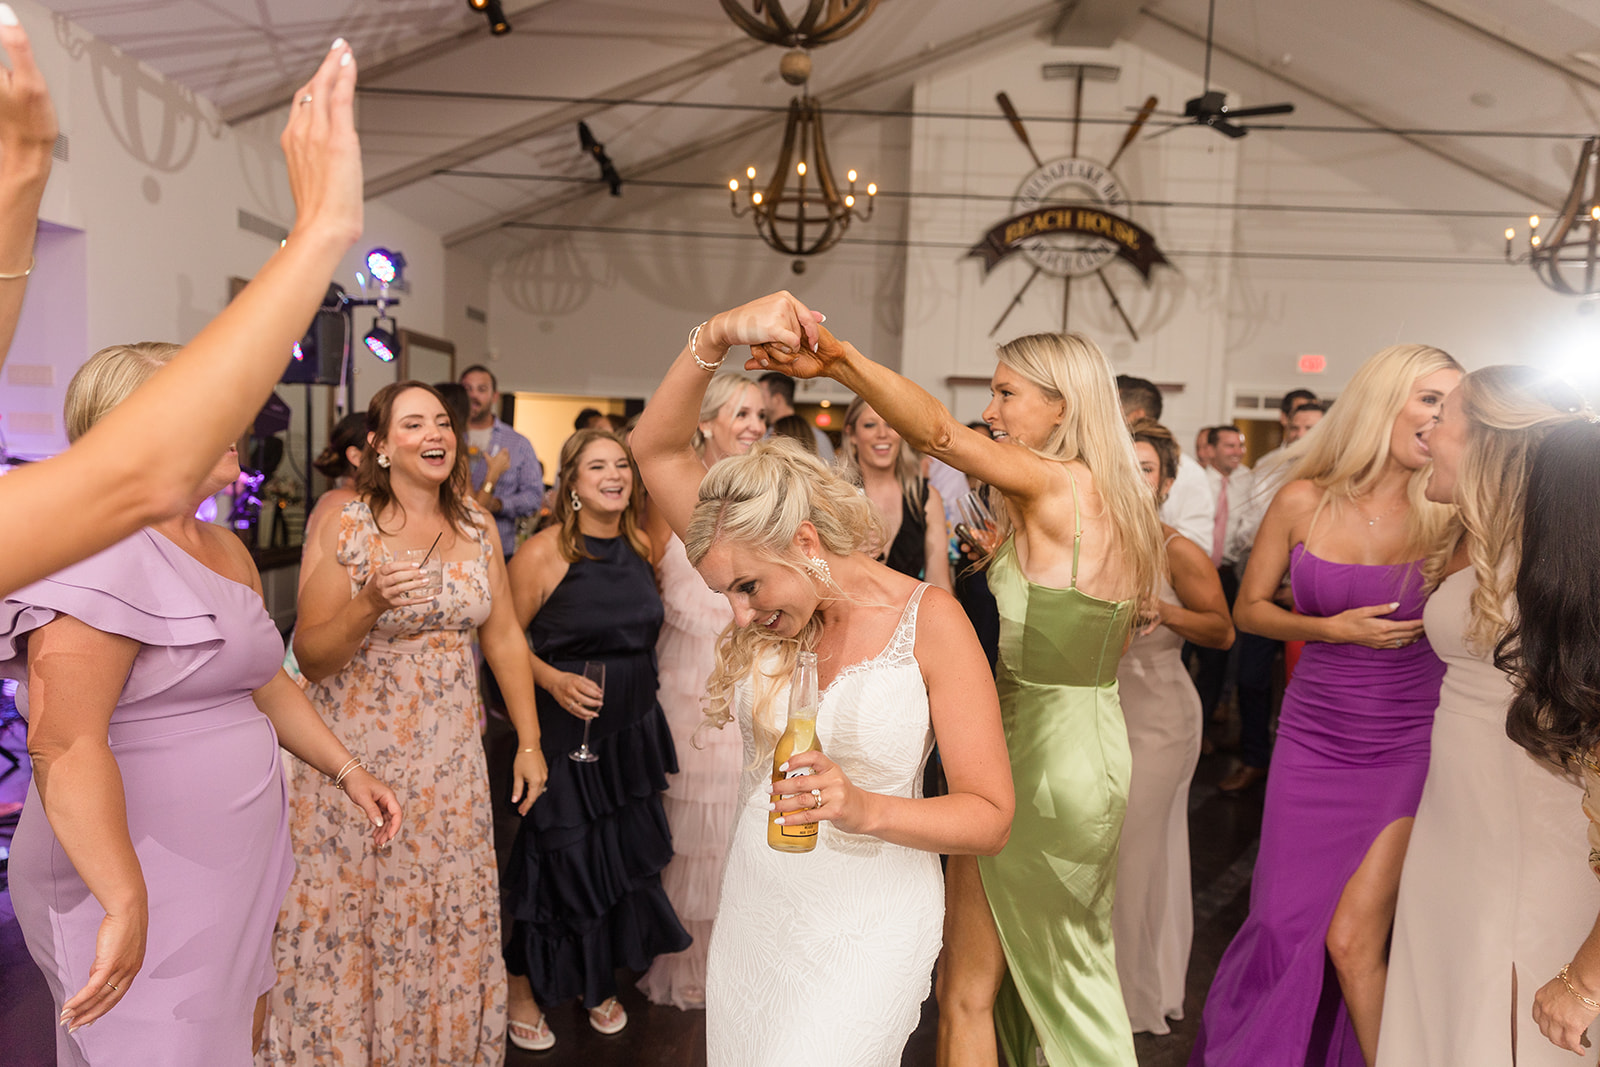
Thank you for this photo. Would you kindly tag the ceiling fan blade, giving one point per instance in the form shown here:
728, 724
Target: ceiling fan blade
1266, 109
1133, 131
1167, 130
1158, 112
1223, 126
1016, 125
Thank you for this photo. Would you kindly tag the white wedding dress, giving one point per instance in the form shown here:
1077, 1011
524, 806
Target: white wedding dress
825, 957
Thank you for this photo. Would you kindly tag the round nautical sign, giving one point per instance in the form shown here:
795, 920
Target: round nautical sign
1079, 182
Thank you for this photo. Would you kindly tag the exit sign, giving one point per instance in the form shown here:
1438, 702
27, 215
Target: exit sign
1313, 364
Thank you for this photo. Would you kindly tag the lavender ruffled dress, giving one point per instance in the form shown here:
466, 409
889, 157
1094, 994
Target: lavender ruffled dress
207, 808
1351, 756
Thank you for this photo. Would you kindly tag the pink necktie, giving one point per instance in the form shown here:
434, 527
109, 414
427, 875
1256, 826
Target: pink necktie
1219, 532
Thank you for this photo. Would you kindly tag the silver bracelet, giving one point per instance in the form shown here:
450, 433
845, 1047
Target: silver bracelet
694, 337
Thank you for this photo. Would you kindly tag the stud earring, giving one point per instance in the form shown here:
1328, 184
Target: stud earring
820, 566
577, 505
383, 461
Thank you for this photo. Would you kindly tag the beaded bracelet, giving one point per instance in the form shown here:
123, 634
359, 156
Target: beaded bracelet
1592, 1005
694, 337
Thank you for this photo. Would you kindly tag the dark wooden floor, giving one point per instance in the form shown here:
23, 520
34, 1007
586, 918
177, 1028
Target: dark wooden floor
1224, 832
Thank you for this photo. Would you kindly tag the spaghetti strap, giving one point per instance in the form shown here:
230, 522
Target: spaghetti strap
1077, 529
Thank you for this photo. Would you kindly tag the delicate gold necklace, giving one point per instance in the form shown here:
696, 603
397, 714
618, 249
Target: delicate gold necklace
1372, 520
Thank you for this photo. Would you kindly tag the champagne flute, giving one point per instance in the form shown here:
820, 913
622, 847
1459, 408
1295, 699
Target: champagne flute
596, 673
977, 519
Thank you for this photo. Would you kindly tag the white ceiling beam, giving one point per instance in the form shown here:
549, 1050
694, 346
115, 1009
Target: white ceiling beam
562, 116
1537, 192
1032, 18
474, 30
1509, 37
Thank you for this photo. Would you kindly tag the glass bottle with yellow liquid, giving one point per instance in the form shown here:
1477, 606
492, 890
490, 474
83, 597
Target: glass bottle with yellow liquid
799, 736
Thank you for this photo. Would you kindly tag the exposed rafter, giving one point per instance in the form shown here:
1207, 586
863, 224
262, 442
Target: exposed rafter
1536, 192
561, 117
1509, 37
1032, 18
471, 32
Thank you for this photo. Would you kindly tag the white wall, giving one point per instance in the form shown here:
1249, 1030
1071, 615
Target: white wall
153, 187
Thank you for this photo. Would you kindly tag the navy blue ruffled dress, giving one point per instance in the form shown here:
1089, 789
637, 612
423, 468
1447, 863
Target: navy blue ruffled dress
583, 885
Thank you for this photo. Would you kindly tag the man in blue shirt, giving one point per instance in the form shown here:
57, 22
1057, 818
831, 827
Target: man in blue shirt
507, 478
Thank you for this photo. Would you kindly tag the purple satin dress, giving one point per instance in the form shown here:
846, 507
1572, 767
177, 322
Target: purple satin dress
1351, 756
207, 808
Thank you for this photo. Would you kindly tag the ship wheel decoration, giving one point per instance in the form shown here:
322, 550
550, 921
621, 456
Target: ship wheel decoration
1069, 219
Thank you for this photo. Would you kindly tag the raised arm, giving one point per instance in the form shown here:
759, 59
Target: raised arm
27, 138
1018, 473
662, 443
126, 473
936, 543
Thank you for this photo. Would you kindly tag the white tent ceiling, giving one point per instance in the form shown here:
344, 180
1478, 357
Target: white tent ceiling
1488, 66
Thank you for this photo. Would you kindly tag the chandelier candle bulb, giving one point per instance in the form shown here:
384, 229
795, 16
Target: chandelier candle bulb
872, 188
750, 172
850, 201
800, 168
851, 176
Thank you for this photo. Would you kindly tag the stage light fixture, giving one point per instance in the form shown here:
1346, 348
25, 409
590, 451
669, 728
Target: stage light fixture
387, 268
381, 342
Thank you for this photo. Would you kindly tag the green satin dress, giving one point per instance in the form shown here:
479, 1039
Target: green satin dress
1050, 888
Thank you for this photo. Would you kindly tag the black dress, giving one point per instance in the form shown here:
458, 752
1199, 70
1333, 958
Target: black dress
583, 883
908, 554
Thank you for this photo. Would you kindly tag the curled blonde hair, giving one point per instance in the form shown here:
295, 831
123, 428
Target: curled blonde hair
1345, 455
1071, 368
1509, 410
759, 500
907, 466
721, 389
108, 378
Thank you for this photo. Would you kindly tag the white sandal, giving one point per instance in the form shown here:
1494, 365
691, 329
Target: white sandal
541, 1040
618, 1018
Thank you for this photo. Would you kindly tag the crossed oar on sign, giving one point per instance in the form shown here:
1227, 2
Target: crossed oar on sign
1022, 135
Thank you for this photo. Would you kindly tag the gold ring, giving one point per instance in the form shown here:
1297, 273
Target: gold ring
114, 988
816, 797
306, 99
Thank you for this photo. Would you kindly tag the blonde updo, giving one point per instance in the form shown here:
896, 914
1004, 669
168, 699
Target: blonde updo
759, 501
110, 377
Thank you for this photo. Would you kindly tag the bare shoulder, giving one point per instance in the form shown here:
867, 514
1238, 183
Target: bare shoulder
538, 553
1297, 497
941, 619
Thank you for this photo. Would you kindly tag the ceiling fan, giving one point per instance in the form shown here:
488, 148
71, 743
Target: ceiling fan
1210, 107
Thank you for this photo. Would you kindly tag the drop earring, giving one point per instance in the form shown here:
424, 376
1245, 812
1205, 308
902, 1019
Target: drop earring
577, 505
383, 461
820, 566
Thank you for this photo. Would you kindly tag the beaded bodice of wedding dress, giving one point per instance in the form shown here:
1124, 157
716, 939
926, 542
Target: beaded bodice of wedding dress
827, 954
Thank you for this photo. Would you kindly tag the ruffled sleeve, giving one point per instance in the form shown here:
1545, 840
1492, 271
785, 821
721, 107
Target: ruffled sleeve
134, 589
358, 539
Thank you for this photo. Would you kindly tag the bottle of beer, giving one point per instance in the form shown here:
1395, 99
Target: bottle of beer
800, 736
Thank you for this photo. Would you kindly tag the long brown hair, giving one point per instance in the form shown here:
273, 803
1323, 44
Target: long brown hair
565, 517
372, 481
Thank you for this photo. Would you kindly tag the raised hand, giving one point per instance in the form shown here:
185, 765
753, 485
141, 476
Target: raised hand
27, 117
779, 319
804, 363
396, 584
323, 154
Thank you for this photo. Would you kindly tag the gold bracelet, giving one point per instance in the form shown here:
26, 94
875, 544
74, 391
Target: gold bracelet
1592, 1005
694, 340
14, 277
338, 781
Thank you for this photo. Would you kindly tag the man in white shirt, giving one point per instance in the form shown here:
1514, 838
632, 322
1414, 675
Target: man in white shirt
1189, 508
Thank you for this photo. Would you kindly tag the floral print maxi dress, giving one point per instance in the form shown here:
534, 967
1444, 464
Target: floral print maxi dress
392, 956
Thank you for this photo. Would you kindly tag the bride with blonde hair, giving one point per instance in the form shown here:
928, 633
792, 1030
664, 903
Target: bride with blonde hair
852, 928
1028, 939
